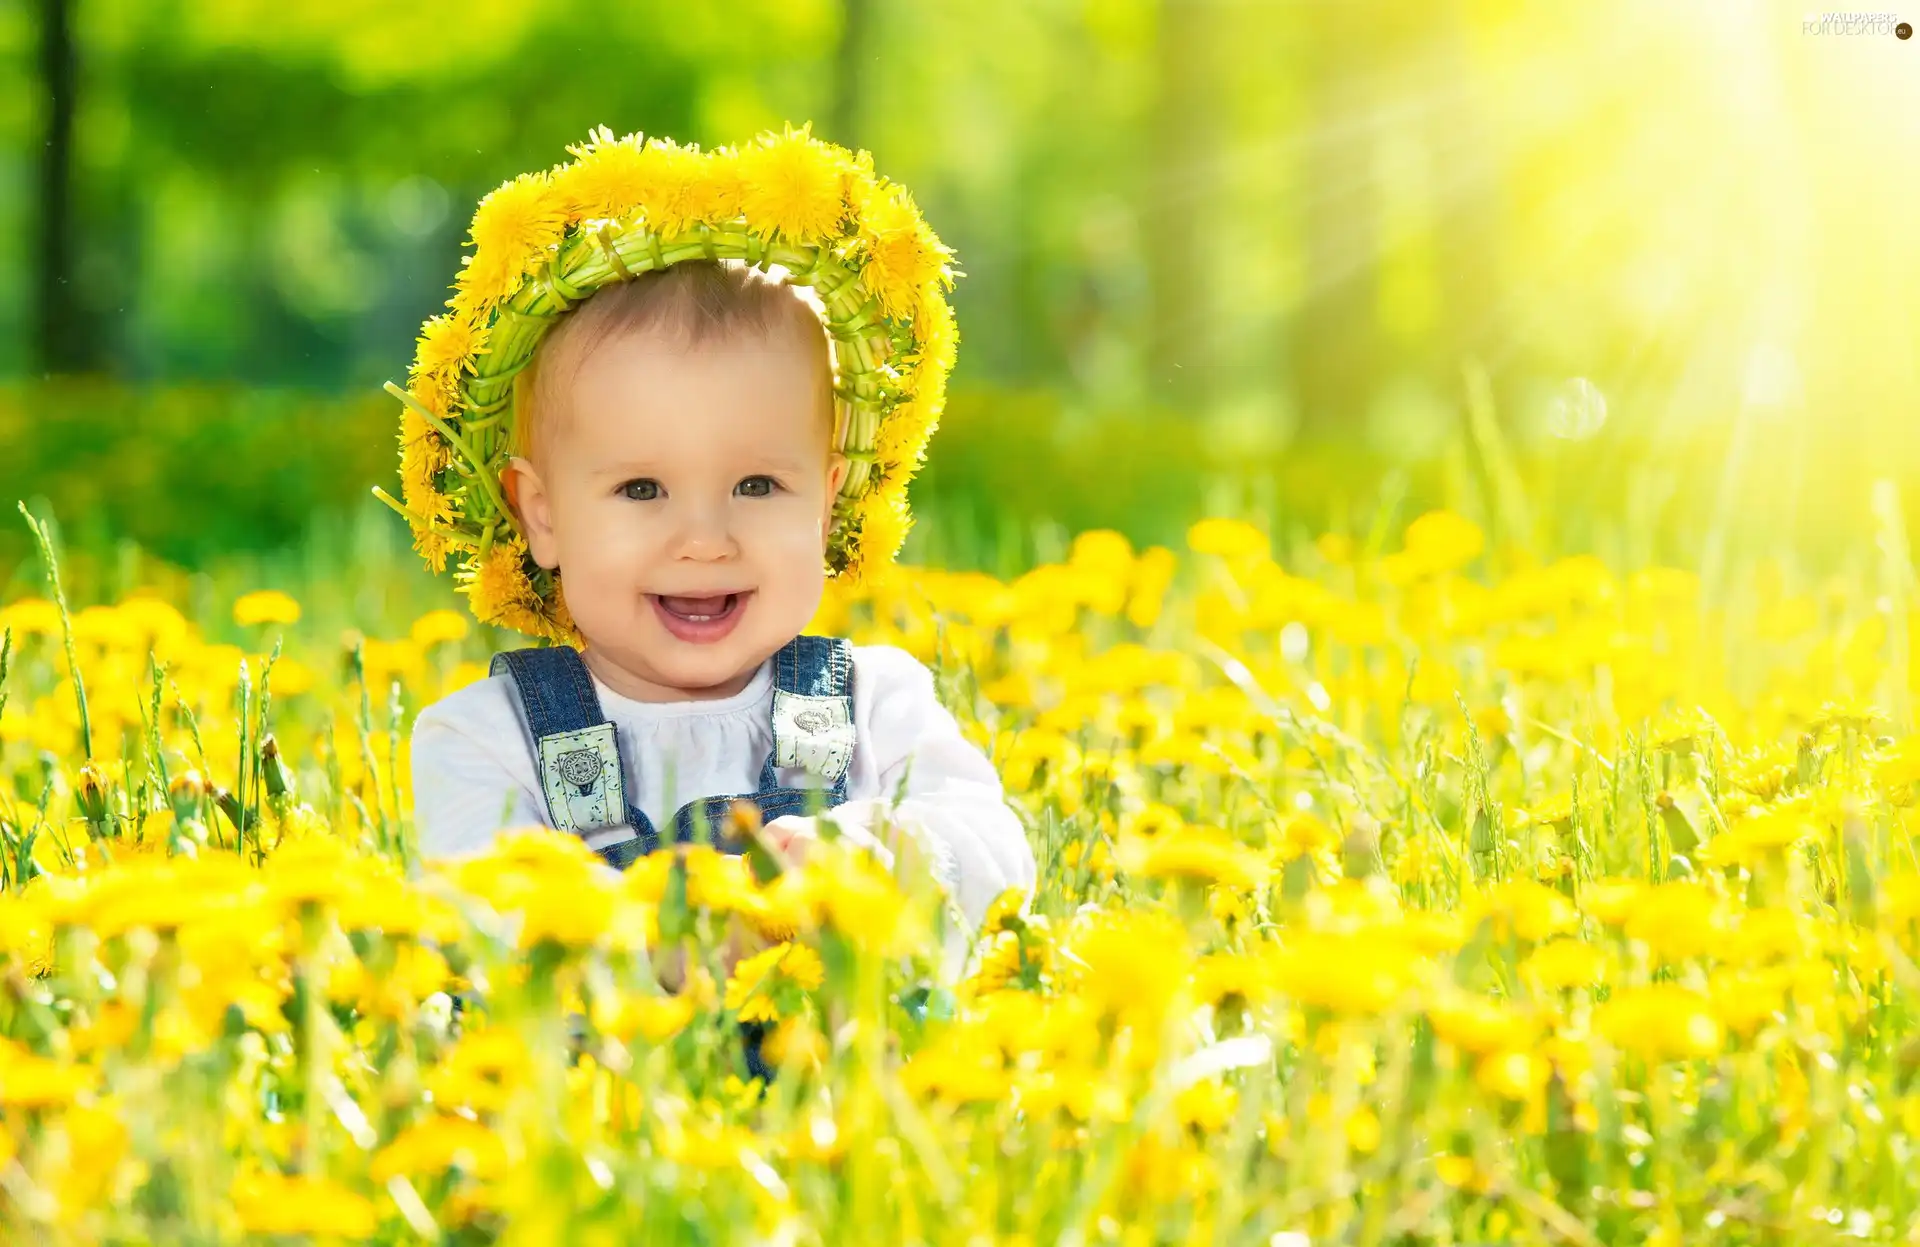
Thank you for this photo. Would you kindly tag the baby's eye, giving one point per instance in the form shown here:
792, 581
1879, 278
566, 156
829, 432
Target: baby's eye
641, 490
756, 486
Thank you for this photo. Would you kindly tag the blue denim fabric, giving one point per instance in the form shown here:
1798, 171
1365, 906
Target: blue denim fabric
558, 696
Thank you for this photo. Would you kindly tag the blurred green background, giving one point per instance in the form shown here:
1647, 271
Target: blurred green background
1636, 278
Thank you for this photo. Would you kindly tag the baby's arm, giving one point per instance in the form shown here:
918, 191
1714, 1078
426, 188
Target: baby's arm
952, 804
471, 775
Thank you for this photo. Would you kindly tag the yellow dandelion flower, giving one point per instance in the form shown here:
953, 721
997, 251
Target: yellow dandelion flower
1348, 974
31, 1081
901, 440
1228, 539
438, 627
1516, 1075
270, 1203
1745, 1002
560, 626
1898, 769
31, 615
534, 618
1206, 1106
937, 337
1524, 910
521, 216
956, 1072
720, 192
752, 989
498, 589
484, 280
608, 179
903, 260
884, 523
1612, 901
521, 863
1565, 964
1337, 549
267, 606
1663, 1022
705, 1144
1132, 962
1207, 855
1443, 541
798, 1040
1853, 714
803, 967
436, 512
424, 454
1004, 913
793, 185
440, 1143
1677, 921
654, 1018
1226, 977
686, 186
1479, 1024
999, 962
1461, 1172
512, 228
447, 347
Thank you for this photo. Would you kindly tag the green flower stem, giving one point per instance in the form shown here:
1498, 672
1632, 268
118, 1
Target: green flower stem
585, 265
45, 542
457, 442
452, 536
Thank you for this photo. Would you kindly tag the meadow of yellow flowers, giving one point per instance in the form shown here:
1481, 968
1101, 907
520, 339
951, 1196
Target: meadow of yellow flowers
1381, 903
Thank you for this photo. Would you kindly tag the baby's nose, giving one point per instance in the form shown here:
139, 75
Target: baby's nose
704, 532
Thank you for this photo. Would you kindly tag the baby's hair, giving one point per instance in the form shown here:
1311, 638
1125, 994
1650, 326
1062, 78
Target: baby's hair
692, 302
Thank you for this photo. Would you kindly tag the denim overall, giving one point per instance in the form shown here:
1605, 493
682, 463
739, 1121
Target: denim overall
577, 755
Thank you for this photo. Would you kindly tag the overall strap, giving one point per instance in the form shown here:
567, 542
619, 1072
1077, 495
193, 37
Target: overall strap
816, 666
575, 747
577, 755
554, 686
812, 714
812, 720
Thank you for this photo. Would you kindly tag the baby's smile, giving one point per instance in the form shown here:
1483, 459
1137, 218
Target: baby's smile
703, 619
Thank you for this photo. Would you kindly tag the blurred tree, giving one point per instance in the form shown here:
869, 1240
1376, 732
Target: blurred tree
1464, 162
1180, 189
64, 336
850, 62
278, 184
1333, 336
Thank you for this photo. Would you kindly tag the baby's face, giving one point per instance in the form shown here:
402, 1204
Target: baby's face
685, 495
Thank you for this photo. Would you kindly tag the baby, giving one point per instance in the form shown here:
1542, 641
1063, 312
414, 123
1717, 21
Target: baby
675, 463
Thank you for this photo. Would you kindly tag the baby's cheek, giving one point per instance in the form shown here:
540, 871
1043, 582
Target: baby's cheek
792, 552
611, 547
793, 523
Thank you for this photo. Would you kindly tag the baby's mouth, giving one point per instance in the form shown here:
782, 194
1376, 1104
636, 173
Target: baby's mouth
699, 609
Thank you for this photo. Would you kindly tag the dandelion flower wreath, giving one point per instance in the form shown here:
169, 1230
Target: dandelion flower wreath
623, 206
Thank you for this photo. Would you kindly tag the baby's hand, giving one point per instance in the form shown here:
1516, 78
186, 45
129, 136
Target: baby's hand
793, 835
670, 964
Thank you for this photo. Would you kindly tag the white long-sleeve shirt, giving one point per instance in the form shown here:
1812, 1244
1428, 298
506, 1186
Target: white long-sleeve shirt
474, 776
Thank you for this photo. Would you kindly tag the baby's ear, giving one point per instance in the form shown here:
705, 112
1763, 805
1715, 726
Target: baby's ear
837, 465
526, 496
